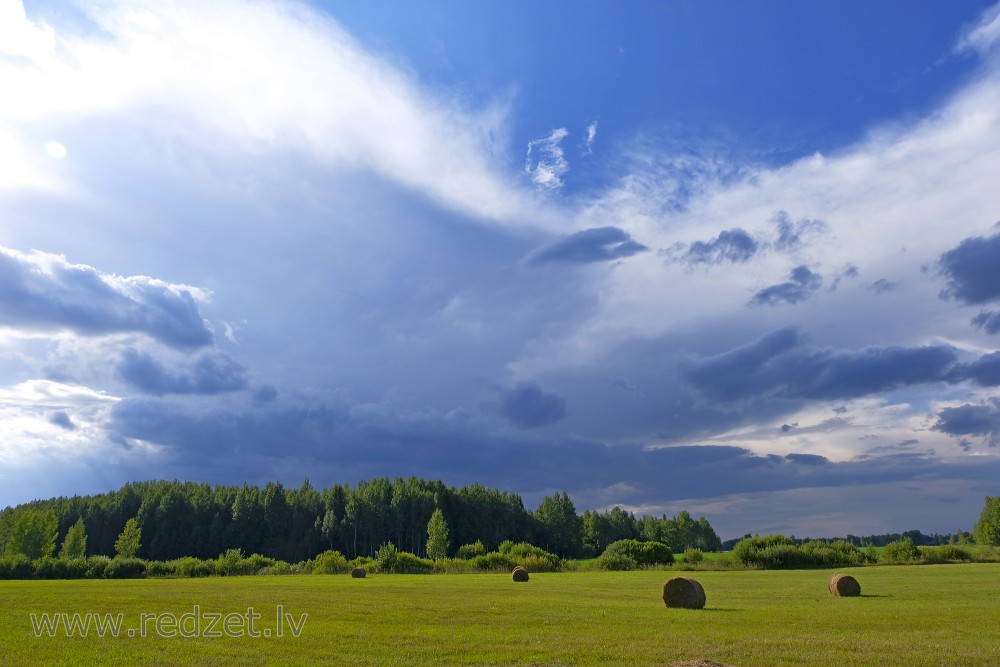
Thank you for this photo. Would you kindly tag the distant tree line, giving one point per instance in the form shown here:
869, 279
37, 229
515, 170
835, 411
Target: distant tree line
180, 519
918, 538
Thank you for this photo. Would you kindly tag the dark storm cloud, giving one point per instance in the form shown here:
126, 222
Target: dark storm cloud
984, 371
210, 373
528, 406
988, 321
215, 435
979, 420
792, 234
973, 270
350, 442
731, 245
783, 365
265, 394
62, 420
598, 244
45, 292
800, 286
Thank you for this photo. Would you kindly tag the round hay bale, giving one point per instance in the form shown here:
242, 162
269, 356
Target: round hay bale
683, 593
519, 574
844, 586
359, 573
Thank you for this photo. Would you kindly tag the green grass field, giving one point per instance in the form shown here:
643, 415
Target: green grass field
914, 615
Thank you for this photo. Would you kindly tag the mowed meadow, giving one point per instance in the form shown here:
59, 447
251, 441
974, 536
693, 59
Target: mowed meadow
907, 616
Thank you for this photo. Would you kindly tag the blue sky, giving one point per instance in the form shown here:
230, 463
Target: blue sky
734, 258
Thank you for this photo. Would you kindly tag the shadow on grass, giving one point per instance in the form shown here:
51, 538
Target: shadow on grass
867, 595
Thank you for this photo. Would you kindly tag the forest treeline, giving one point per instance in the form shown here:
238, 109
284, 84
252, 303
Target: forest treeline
918, 538
179, 519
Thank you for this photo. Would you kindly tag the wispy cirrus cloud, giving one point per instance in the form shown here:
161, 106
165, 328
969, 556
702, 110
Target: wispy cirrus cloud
545, 163
590, 135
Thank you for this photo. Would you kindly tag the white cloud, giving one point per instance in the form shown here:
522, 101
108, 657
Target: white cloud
545, 162
258, 77
892, 203
591, 135
21, 37
55, 149
985, 34
31, 425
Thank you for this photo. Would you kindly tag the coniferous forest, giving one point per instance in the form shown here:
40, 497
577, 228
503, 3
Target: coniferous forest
179, 519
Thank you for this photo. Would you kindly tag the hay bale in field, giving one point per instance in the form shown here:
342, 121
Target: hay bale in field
359, 573
844, 586
683, 593
519, 574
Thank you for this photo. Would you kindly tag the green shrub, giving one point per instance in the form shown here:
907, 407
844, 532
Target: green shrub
21, 567
72, 568
770, 552
256, 563
616, 561
231, 563
643, 553
361, 561
655, 553
17, 567
838, 553
279, 567
693, 556
45, 568
523, 552
467, 551
539, 564
330, 562
158, 568
494, 561
386, 556
952, 552
193, 567
125, 568
407, 563
784, 557
900, 552
986, 555
97, 567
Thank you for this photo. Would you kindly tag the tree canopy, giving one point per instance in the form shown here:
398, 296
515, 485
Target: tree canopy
179, 519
